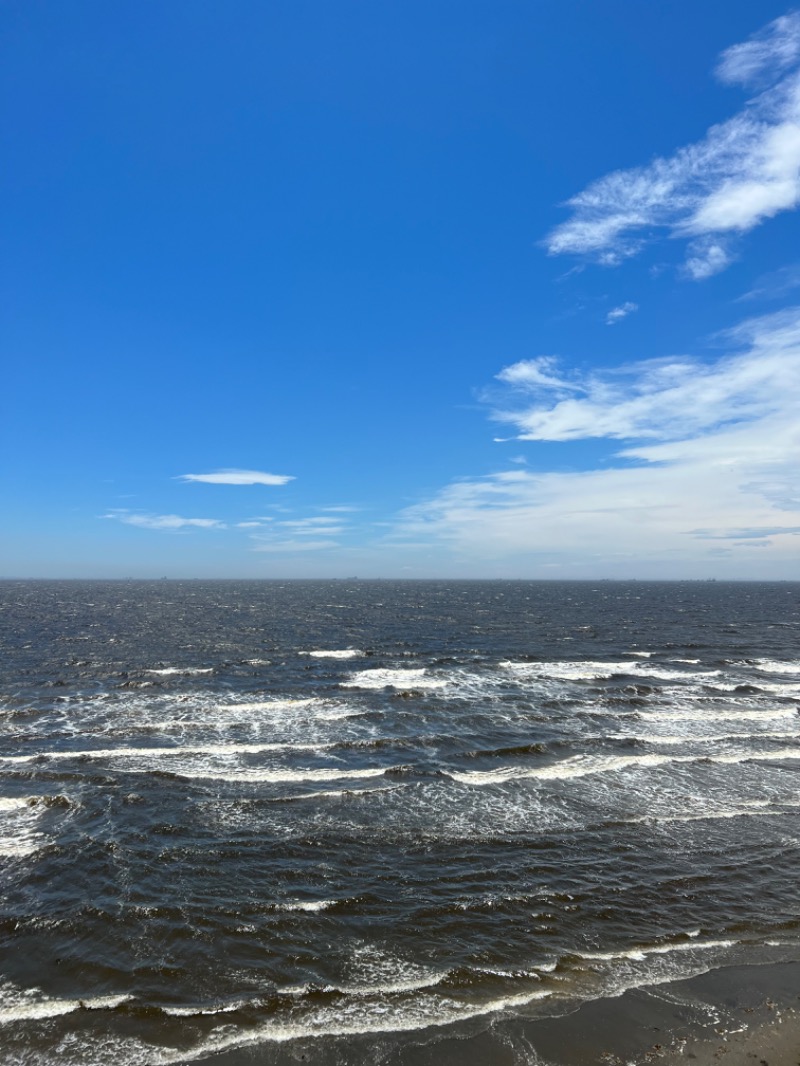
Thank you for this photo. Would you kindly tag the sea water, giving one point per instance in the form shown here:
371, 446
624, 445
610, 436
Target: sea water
242, 814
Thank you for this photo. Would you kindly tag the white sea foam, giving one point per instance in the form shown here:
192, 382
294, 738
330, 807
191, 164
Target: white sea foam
591, 670
583, 765
222, 750
373, 971
362, 1015
575, 766
405, 678
747, 810
263, 705
341, 793
12, 804
726, 714
774, 666
307, 905
166, 671
661, 674
707, 738
279, 776
24, 1005
198, 1010
581, 670
640, 953
790, 689
759, 756
337, 653
388, 987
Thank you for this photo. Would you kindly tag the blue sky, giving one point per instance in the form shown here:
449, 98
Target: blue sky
467, 289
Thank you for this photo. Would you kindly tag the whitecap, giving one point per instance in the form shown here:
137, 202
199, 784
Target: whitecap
363, 1016
279, 776
775, 666
167, 671
583, 766
307, 905
223, 750
660, 674
640, 953
22, 1005
705, 738
340, 653
381, 678
197, 1010
263, 705
727, 714
576, 670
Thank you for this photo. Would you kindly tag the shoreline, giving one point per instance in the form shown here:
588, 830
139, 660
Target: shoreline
740, 1015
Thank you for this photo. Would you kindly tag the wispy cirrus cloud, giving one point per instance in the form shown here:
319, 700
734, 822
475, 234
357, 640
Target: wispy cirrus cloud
744, 171
616, 314
238, 477
290, 546
708, 470
169, 522
314, 526
661, 399
309, 534
768, 53
775, 285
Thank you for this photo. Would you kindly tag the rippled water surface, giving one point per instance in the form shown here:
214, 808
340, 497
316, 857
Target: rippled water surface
239, 813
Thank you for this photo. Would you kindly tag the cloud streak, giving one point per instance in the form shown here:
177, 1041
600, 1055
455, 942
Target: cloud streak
238, 477
168, 522
616, 314
660, 399
769, 52
291, 546
743, 172
708, 472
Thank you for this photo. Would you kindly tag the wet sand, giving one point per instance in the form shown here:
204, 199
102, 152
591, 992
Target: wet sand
740, 1016
737, 1016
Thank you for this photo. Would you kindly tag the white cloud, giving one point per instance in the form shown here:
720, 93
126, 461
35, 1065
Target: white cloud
705, 259
539, 373
293, 545
289, 535
662, 399
238, 477
302, 523
768, 52
776, 284
313, 526
709, 471
616, 314
744, 171
164, 521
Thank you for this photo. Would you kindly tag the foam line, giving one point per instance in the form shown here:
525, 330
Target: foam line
581, 766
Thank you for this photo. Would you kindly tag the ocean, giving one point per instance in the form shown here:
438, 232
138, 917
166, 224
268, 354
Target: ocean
301, 819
